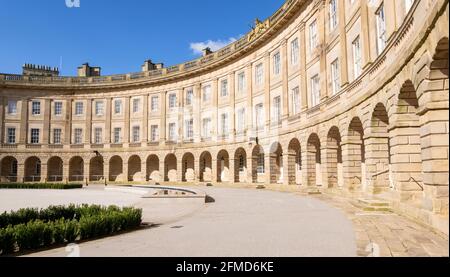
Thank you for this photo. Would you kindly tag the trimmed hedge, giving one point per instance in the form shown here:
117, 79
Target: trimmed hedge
29, 229
40, 186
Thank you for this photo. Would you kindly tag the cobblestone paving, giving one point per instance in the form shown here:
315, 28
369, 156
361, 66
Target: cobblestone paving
389, 234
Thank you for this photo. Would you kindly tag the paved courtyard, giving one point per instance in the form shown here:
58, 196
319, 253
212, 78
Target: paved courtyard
244, 222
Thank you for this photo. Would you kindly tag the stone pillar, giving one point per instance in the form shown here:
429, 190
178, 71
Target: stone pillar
44, 172
145, 120
215, 110
66, 172
88, 128
267, 168
290, 168
181, 172
108, 117
197, 113
351, 159
47, 119
2, 117
285, 85
232, 170
305, 171
24, 122
232, 90
343, 59
68, 123
267, 107
214, 170
365, 34
162, 169
126, 131
325, 154
377, 163
20, 171
106, 169
181, 119
303, 80
251, 172
248, 76
86, 171
286, 166
323, 55
390, 17
144, 170
162, 120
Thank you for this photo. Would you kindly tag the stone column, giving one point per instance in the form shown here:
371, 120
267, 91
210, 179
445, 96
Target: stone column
351, 159
343, 59
106, 168
44, 172
303, 82
196, 107
2, 117
232, 170
181, 119
377, 162
305, 171
330, 166
24, 122
365, 34
286, 166
214, 170
162, 169
145, 120
325, 154
215, 108
163, 118
267, 168
108, 116
285, 89
66, 172
88, 128
267, 107
68, 123
144, 169
47, 118
20, 171
248, 76
231, 84
180, 171
390, 15
126, 131
323, 56
86, 172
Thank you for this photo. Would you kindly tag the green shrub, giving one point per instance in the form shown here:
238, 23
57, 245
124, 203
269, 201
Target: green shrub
59, 231
7, 241
71, 230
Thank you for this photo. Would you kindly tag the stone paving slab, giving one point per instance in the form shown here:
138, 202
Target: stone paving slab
396, 236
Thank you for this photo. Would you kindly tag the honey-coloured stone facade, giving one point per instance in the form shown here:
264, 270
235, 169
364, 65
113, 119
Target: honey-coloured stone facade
349, 96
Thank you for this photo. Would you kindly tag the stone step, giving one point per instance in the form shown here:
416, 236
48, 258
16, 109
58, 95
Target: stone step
372, 205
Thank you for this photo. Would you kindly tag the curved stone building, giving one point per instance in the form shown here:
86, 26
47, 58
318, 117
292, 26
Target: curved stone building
347, 96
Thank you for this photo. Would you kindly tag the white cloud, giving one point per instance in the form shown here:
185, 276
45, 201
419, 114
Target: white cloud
215, 45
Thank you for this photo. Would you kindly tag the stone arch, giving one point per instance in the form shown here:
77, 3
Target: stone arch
188, 168
258, 164
170, 168
116, 173
378, 158
335, 168
354, 158
240, 165
76, 169
153, 173
55, 167
433, 110
135, 169
313, 161
276, 163
223, 166
205, 167
406, 160
96, 169
9, 169
294, 162
33, 167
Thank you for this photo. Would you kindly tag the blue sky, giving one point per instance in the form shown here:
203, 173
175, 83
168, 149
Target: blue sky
119, 35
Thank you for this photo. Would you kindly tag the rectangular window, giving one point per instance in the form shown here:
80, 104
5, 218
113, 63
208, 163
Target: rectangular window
98, 136
79, 108
118, 106
241, 82
36, 108
224, 88
57, 136
207, 94
276, 116
99, 108
172, 132
315, 91
58, 108
381, 29
260, 167
155, 103
294, 51
117, 135
224, 124
276, 63
335, 79
78, 136
136, 134
136, 105
259, 112
356, 58
189, 97
313, 35
296, 101
333, 15
241, 120
11, 135
35, 136
189, 129
206, 128
259, 74
12, 107
154, 136
172, 100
